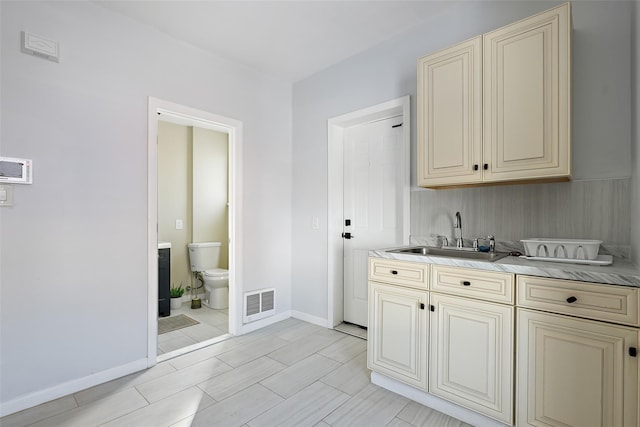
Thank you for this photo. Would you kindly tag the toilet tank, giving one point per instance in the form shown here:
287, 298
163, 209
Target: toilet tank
204, 256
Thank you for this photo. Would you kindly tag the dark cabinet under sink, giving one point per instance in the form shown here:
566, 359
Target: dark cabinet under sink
164, 279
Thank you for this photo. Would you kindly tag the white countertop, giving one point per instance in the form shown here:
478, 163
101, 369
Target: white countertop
164, 245
621, 272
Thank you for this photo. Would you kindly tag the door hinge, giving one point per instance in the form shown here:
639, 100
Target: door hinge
633, 352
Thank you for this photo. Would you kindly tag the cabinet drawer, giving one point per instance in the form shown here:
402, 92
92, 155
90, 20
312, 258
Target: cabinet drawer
486, 285
412, 274
592, 301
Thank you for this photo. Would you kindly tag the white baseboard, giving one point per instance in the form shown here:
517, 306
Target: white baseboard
69, 387
309, 318
259, 324
434, 402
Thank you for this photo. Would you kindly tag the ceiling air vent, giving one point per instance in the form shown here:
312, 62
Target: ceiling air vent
259, 304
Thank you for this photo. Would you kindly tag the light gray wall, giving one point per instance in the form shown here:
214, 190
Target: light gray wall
635, 182
601, 111
74, 245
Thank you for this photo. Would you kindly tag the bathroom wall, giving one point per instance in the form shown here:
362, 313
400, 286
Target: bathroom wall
192, 187
175, 196
210, 190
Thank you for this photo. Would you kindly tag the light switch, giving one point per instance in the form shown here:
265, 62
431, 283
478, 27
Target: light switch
6, 195
179, 224
315, 223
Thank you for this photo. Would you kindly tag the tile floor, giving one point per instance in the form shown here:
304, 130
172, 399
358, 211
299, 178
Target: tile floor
213, 323
291, 373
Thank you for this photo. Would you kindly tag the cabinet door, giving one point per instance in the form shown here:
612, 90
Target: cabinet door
574, 372
471, 355
450, 115
397, 338
164, 280
527, 98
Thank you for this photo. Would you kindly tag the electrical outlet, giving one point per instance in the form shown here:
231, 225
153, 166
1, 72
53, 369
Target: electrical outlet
179, 224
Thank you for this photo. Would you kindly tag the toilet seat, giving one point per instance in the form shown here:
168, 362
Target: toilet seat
216, 273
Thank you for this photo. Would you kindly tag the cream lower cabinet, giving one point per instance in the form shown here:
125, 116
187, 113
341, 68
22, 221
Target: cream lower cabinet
575, 368
471, 339
471, 354
397, 341
568, 349
575, 372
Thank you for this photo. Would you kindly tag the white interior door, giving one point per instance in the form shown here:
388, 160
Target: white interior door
373, 204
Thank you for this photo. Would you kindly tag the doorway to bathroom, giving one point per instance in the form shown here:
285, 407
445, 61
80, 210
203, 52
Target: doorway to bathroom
193, 192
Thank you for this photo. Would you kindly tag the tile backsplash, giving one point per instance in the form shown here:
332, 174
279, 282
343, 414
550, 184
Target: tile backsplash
594, 209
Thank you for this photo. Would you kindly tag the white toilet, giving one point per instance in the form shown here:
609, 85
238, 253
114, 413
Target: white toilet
204, 258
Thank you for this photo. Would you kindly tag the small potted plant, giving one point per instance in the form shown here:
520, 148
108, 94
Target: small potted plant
176, 296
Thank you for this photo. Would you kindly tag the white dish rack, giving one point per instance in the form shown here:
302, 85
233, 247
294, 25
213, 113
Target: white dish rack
565, 249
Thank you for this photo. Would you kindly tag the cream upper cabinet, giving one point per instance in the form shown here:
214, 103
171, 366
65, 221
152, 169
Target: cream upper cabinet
497, 107
397, 339
575, 372
527, 123
450, 115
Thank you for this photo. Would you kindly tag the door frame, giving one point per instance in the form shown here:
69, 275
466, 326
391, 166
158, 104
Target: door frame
335, 203
233, 128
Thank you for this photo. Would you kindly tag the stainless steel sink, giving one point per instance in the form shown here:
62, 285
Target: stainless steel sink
451, 253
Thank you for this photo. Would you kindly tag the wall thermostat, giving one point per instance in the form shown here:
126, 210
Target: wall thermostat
15, 171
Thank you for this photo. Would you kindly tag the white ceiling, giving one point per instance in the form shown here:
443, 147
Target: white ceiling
291, 39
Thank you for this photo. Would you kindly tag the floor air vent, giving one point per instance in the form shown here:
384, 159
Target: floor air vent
259, 304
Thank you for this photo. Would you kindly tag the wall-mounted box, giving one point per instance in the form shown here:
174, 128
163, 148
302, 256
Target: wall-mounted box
15, 171
39, 46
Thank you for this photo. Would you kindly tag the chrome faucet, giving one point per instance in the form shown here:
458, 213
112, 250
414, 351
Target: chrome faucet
490, 238
492, 243
458, 224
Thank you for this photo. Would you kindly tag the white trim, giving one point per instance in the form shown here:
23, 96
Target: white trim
41, 396
234, 129
309, 318
335, 132
434, 402
193, 347
259, 324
